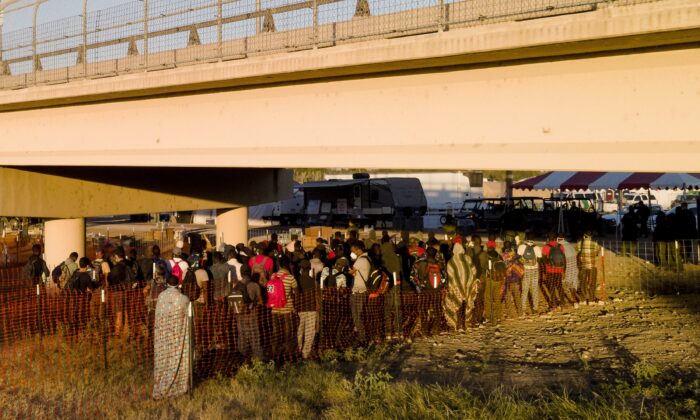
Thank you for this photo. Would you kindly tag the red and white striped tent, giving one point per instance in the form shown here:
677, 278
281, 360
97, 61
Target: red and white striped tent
574, 181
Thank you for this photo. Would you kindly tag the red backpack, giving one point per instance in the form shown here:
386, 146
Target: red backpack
177, 270
276, 298
434, 275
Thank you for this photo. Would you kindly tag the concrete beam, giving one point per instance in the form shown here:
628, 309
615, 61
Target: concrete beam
616, 28
619, 112
64, 192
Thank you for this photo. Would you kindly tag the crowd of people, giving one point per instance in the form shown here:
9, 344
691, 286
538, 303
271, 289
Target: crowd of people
282, 293
274, 289
673, 234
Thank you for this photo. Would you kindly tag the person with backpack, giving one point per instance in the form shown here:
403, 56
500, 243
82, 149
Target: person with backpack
178, 266
251, 295
262, 264
64, 271
317, 264
571, 276
281, 288
308, 309
235, 267
36, 267
531, 254
360, 272
81, 280
146, 264
554, 257
337, 275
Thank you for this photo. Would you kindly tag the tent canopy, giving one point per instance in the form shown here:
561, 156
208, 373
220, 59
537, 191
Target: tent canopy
573, 181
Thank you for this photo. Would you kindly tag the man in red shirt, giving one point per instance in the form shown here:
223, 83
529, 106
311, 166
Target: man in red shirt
555, 266
262, 264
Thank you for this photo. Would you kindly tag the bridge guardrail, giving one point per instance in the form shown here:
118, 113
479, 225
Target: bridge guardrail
159, 34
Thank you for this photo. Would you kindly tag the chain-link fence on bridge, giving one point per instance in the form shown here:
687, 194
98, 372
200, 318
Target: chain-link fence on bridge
159, 34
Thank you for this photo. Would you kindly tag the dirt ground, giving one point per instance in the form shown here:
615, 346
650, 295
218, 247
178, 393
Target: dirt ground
573, 350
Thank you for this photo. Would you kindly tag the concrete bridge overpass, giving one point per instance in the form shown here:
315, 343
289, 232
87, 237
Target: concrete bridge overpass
583, 85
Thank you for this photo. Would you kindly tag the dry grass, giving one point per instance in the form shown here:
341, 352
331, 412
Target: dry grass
55, 379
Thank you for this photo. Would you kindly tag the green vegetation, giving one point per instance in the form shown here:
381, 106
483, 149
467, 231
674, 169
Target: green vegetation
53, 381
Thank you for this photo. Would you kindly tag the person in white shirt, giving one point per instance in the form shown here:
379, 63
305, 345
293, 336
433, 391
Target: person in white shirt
233, 262
360, 272
531, 254
177, 260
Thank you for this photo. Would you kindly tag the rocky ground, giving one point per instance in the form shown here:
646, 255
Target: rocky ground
573, 350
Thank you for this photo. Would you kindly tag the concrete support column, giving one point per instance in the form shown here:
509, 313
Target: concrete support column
61, 237
232, 226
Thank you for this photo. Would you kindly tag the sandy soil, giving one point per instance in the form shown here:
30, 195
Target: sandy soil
572, 350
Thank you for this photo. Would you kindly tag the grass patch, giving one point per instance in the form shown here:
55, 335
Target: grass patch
50, 379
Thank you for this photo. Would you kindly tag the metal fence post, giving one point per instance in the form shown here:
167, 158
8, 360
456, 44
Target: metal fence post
219, 28
191, 355
103, 310
257, 17
36, 62
315, 22
441, 16
145, 34
84, 47
38, 310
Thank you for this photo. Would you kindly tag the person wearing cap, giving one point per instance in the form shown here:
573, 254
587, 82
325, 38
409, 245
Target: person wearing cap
588, 252
531, 254
177, 260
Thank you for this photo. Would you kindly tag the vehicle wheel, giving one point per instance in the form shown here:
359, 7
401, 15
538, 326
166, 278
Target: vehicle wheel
443, 220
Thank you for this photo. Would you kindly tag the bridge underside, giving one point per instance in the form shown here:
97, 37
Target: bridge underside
627, 111
72, 192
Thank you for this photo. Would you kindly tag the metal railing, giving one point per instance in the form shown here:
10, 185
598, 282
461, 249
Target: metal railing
157, 34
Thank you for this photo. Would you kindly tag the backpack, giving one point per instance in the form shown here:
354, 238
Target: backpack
514, 269
556, 257
378, 282
529, 256
33, 268
190, 288
276, 298
259, 267
177, 270
70, 284
61, 275
430, 275
97, 268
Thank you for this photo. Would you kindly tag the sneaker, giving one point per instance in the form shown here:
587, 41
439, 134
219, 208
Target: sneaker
575, 305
